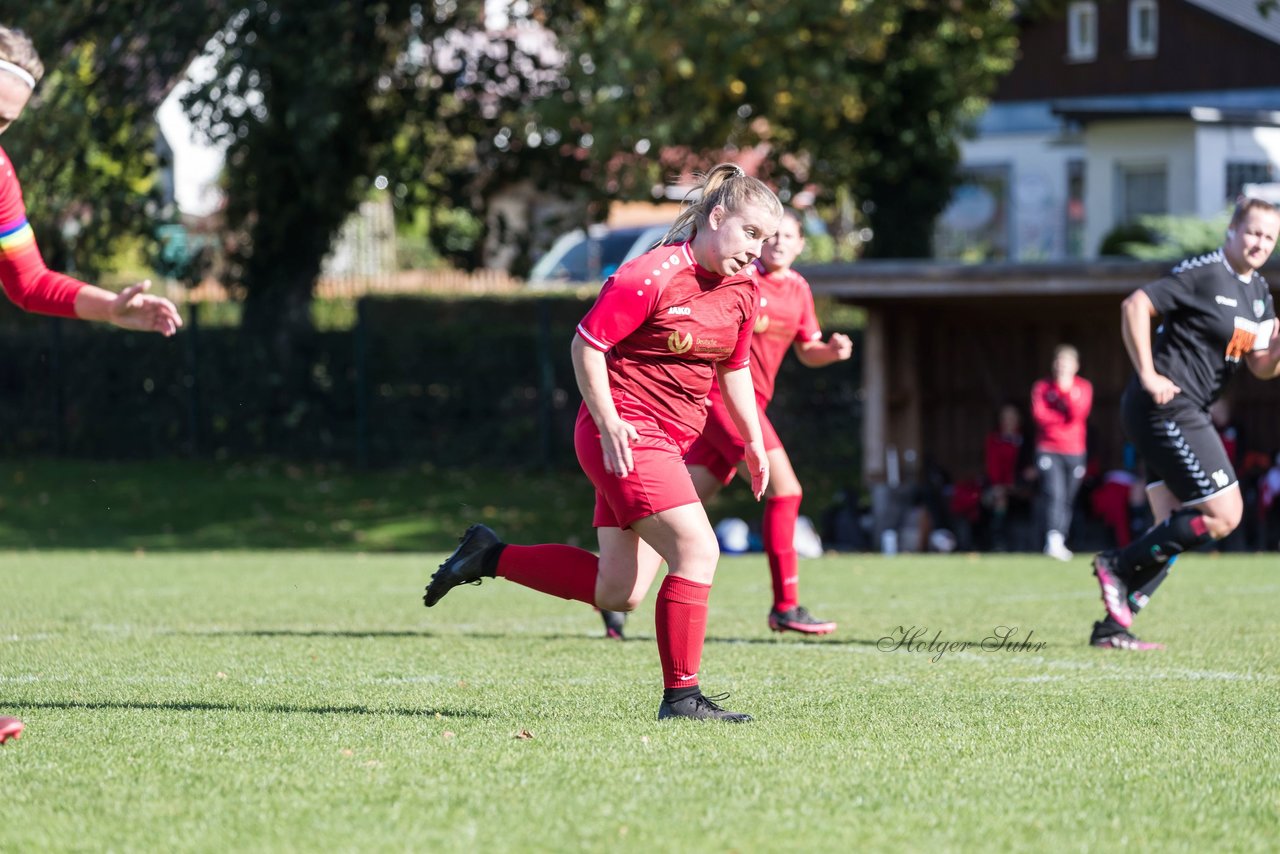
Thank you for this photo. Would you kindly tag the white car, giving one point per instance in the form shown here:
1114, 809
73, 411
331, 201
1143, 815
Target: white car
591, 256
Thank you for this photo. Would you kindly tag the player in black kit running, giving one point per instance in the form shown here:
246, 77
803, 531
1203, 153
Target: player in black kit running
1216, 312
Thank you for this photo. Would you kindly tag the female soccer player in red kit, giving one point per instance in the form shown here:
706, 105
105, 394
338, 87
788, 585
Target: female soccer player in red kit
664, 327
27, 281
786, 321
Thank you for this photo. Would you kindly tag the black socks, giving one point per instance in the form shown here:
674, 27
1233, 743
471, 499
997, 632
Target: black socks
1144, 559
489, 560
674, 695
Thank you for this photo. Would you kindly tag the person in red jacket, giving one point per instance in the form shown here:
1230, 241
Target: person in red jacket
1060, 405
664, 328
27, 282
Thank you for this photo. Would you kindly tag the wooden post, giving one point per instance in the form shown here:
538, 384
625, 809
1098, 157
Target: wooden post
875, 384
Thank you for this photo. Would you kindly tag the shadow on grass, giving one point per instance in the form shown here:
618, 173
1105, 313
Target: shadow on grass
310, 633
792, 640
278, 708
797, 640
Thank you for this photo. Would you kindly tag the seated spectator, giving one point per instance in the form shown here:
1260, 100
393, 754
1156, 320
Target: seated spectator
1118, 500
1269, 508
1008, 483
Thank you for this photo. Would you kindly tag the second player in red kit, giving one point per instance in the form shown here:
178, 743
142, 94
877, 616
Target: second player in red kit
786, 321
664, 327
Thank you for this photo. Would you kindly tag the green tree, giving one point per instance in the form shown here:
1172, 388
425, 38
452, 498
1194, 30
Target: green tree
861, 96
313, 104
86, 148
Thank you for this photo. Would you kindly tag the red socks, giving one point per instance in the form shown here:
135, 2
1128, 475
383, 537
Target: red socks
681, 621
563, 571
779, 535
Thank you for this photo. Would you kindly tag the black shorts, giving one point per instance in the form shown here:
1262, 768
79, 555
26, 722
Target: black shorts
1179, 445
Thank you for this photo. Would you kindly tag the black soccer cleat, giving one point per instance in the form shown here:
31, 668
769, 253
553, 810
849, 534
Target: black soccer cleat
467, 565
700, 707
614, 622
1106, 637
798, 619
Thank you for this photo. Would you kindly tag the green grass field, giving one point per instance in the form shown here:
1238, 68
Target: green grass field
251, 700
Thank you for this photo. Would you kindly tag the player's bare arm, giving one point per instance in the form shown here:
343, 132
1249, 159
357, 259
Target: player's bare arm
1136, 313
739, 396
818, 354
616, 435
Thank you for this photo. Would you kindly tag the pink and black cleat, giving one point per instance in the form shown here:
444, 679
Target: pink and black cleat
10, 728
798, 619
1115, 594
615, 622
1107, 636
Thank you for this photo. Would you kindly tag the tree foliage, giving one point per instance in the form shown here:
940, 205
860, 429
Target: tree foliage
868, 96
314, 104
86, 147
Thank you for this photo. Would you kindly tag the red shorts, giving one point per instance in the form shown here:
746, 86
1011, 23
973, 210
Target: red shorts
659, 481
720, 448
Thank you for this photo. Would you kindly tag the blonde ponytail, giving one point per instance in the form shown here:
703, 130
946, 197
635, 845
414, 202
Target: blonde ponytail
726, 185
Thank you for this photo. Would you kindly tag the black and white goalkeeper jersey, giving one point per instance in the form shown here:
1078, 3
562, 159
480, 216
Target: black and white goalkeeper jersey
1211, 318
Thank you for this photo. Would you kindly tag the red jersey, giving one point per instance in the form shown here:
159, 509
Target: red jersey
27, 281
1060, 415
1001, 458
786, 316
663, 323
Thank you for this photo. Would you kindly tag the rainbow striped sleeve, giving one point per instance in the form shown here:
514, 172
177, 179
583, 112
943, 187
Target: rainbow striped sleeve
16, 237
27, 282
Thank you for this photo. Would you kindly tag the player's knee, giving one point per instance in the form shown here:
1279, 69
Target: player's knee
697, 562
618, 601
1222, 523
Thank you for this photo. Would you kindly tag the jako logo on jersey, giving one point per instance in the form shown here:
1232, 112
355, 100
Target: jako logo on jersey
680, 309
1220, 478
676, 344
1221, 300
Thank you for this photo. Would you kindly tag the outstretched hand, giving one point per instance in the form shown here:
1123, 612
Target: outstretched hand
841, 346
133, 308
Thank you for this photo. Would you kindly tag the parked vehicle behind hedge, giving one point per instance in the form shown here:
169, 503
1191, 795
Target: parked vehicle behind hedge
589, 256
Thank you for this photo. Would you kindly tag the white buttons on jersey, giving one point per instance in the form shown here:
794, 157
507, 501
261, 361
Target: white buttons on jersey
648, 281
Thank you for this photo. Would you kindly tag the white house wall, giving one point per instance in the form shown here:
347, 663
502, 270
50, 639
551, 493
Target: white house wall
1113, 144
1218, 145
1037, 164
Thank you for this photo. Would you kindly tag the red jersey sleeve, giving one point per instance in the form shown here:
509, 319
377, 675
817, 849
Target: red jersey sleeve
1043, 412
741, 355
623, 305
808, 329
28, 283
1082, 405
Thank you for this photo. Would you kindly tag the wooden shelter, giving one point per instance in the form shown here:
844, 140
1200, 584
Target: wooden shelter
946, 344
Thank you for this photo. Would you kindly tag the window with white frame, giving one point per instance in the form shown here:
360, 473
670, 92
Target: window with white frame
1240, 173
1082, 31
1143, 190
1144, 27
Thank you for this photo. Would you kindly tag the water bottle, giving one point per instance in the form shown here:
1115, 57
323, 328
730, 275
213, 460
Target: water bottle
889, 542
